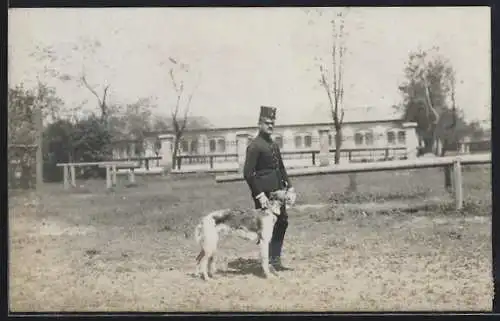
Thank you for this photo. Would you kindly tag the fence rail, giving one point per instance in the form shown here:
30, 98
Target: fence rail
205, 159
354, 155
111, 169
455, 161
140, 160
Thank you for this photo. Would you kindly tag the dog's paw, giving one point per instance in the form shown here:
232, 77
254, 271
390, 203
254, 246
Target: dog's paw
270, 275
273, 272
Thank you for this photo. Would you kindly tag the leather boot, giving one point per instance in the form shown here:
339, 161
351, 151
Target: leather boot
277, 265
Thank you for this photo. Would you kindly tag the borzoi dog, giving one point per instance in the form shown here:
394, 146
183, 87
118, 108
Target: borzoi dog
251, 224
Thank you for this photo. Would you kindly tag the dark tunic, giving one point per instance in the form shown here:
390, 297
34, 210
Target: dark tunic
263, 157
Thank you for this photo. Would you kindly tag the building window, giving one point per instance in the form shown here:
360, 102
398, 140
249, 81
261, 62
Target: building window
222, 145
157, 146
194, 147
298, 141
185, 146
369, 138
358, 139
330, 140
391, 138
308, 141
402, 137
212, 145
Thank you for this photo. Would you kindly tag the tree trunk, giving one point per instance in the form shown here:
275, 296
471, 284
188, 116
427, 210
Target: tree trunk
447, 169
338, 143
176, 150
39, 152
353, 186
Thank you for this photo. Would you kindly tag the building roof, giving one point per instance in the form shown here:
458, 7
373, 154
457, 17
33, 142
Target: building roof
321, 116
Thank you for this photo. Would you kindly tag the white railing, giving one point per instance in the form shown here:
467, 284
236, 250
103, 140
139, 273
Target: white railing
111, 169
455, 161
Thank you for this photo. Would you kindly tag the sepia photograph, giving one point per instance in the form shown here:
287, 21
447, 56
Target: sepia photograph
278, 159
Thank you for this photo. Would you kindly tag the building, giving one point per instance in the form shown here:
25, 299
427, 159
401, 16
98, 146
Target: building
302, 144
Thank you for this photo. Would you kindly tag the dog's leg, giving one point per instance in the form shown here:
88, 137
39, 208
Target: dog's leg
264, 257
266, 235
212, 266
209, 245
204, 266
198, 260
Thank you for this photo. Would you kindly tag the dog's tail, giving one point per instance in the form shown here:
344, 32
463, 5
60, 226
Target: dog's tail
199, 257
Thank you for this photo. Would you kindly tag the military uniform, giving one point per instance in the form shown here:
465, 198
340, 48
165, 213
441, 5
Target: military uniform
264, 172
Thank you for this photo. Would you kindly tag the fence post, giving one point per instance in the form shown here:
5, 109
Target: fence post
131, 176
66, 178
167, 142
447, 178
411, 138
324, 148
73, 176
114, 175
467, 141
108, 176
242, 140
457, 171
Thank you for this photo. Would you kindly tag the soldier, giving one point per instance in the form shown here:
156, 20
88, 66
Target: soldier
264, 172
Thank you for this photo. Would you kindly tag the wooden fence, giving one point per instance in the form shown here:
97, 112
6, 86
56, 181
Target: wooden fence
455, 161
209, 159
111, 169
353, 155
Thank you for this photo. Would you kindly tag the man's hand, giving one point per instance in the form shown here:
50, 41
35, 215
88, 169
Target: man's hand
264, 201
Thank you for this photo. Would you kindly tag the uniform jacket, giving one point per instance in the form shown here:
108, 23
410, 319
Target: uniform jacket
263, 157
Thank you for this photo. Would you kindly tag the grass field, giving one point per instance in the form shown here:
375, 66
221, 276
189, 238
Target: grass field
396, 244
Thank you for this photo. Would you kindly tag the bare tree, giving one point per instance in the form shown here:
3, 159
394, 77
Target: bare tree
101, 99
180, 110
332, 80
335, 87
59, 60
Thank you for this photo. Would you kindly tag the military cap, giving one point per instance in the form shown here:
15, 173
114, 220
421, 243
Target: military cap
267, 112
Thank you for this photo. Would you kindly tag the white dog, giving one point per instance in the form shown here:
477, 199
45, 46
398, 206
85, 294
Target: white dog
252, 224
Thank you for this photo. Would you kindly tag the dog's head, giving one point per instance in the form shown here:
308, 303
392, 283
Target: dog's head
281, 197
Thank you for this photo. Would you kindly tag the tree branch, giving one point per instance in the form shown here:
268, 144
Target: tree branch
324, 83
188, 104
84, 81
179, 94
334, 60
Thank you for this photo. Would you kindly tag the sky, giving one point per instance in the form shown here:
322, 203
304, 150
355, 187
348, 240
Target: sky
242, 58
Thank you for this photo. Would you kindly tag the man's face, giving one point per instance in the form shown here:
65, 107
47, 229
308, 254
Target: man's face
267, 125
